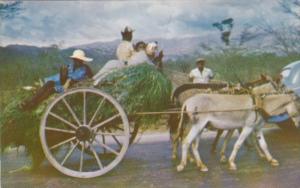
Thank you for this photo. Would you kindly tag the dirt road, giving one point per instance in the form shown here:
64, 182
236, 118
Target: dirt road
148, 164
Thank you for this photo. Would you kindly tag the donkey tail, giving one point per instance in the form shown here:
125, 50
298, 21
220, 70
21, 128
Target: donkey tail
179, 129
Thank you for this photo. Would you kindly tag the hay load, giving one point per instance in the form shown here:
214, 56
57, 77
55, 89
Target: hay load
137, 88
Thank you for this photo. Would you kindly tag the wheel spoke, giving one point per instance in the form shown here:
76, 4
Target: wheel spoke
105, 121
69, 153
84, 108
115, 138
96, 157
59, 130
63, 142
71, 111
96, 112
108, 148
63, 120
81, 157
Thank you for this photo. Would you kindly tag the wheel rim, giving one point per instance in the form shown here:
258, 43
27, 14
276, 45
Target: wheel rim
83, 117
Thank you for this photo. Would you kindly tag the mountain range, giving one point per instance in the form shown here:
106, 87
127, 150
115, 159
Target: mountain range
173, 48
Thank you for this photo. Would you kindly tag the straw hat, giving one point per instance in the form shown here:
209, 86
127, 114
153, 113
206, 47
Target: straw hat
79, 54
198, 60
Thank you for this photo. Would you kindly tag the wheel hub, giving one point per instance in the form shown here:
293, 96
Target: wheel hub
83, 133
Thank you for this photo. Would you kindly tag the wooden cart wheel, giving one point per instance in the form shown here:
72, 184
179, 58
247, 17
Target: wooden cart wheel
88, 118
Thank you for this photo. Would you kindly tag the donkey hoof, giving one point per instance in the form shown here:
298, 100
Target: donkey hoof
274, 162
203, 168
180, 168
232, 166
223, 159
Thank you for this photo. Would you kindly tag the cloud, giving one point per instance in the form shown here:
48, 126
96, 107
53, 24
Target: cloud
77, 22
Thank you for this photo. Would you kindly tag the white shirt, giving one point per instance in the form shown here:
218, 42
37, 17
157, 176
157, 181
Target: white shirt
201, 77
139, 58
125, 51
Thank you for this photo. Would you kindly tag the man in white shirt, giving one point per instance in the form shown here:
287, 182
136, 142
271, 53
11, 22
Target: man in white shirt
201, 74
125, 49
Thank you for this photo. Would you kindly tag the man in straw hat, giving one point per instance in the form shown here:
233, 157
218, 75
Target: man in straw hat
201, 74
58, 83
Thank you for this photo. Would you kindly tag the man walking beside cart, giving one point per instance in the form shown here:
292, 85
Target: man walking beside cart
201, 74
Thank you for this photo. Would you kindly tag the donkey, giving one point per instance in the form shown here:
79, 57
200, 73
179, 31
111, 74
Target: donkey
176, 136
225, 113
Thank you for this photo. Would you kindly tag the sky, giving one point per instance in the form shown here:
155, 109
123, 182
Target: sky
68, 23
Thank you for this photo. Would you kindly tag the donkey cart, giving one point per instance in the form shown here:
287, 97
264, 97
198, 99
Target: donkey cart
85, 132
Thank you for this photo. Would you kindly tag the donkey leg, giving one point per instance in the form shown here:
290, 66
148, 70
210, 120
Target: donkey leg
245, 133
174, 148
173, 126
256, 145
216, 140
264, 147
196, 128
224, 146
199, 162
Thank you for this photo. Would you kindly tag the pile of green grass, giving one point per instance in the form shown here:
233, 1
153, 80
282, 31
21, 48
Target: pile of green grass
19, 128
139, 88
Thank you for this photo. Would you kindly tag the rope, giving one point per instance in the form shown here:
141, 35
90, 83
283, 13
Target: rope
194, 112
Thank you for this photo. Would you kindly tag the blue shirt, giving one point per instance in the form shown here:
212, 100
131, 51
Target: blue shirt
76, 75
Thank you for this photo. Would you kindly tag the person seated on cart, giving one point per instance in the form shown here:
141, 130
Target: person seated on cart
77, 71
125, 49
201, 74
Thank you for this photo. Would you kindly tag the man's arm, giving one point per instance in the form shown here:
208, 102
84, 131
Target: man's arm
191, 76
89, 72
211, 74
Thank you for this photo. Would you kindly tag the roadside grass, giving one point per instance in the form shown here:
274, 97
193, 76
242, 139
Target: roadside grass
233, 66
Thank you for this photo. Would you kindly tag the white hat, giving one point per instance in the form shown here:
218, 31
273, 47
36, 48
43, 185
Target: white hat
151, 48
79, 54
200, 60
128, 29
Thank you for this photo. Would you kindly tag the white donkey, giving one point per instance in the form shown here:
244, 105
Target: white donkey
269, 87
139, 56
229, 112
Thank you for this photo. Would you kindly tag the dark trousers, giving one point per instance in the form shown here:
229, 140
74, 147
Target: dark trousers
41, 94
45, 91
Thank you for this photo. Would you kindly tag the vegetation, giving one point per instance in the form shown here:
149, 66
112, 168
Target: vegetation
233, 65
